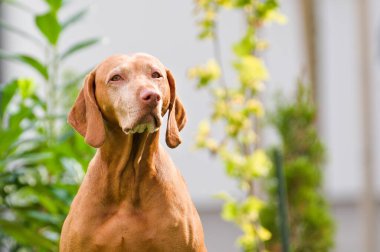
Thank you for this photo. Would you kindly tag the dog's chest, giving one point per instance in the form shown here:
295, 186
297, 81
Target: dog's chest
139, 231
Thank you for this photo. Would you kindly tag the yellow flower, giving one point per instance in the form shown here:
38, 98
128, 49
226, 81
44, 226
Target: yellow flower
251, 70
205, 73
275, 16
255, 106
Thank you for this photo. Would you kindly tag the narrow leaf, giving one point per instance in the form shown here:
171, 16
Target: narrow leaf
55, 5
19, 5
79, 46
74, 18
49, 26
7, 92
28, 60
20, 32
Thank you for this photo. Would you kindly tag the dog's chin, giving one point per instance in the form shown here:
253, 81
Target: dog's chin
149, 123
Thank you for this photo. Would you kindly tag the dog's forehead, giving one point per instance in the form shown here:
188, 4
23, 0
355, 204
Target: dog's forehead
133, 60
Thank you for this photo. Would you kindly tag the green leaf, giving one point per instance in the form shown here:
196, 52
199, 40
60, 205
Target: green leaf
241, 3
79, 46
19, 5
205, 73
28, 60
26, 86
49, 26
251, 71
55, 5
258, 164
266, 7
25, 235
246, 45
24, 112
74, 18
20, 32
43, 217
8, 137
230, 211
7, 92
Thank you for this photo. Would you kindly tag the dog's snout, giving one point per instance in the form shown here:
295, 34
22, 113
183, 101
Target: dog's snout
150, 97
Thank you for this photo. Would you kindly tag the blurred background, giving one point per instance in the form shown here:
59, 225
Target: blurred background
335, 43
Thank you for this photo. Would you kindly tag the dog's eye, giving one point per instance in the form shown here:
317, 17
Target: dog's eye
156, 75
116, 77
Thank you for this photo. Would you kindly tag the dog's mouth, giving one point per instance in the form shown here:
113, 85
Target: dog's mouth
149, 123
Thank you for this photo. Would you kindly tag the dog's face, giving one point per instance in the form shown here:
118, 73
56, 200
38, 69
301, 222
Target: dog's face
131, 93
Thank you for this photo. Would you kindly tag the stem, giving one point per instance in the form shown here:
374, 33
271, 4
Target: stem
51, 94
218, 55
282, 209
246, 149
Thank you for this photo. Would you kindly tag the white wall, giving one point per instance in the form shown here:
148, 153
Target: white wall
340, 95
375, 49
167, 30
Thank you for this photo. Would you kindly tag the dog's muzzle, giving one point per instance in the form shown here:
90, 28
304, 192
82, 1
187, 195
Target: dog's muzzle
150, 123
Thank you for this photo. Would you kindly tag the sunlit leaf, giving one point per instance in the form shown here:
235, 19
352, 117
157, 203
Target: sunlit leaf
275, 16
206, 73
241, 3
26, 87
230, 210
49, 26
258, 164
252, 71
263, 8
247, 44
55, 5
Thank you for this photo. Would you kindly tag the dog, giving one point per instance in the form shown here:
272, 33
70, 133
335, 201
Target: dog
132, 197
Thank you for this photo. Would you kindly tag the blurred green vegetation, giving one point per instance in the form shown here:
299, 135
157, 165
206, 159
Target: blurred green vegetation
238, 109
309, 218
42, 160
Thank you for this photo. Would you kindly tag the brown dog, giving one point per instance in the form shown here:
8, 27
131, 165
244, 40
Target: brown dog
132, 197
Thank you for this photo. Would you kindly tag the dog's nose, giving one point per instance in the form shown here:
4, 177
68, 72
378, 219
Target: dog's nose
150, 97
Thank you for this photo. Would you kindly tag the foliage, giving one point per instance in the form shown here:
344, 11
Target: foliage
42, 161
238, 109
311, 225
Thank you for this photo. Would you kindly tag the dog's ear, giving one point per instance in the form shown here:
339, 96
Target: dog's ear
176, 115
85, 116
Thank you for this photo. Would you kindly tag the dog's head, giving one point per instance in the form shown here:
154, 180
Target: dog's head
129, 92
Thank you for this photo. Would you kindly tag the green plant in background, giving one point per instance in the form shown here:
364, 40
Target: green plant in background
42, 161
311, 225
238, 109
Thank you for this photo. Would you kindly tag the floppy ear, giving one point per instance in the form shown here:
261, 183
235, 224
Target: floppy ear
176, 116
85, 116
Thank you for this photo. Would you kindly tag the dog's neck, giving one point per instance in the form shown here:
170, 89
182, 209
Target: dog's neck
126, 160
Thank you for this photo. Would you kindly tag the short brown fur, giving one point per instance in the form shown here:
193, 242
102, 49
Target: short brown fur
132, 197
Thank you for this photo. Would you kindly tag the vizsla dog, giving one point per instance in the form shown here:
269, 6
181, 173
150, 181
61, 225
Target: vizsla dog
132, 197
